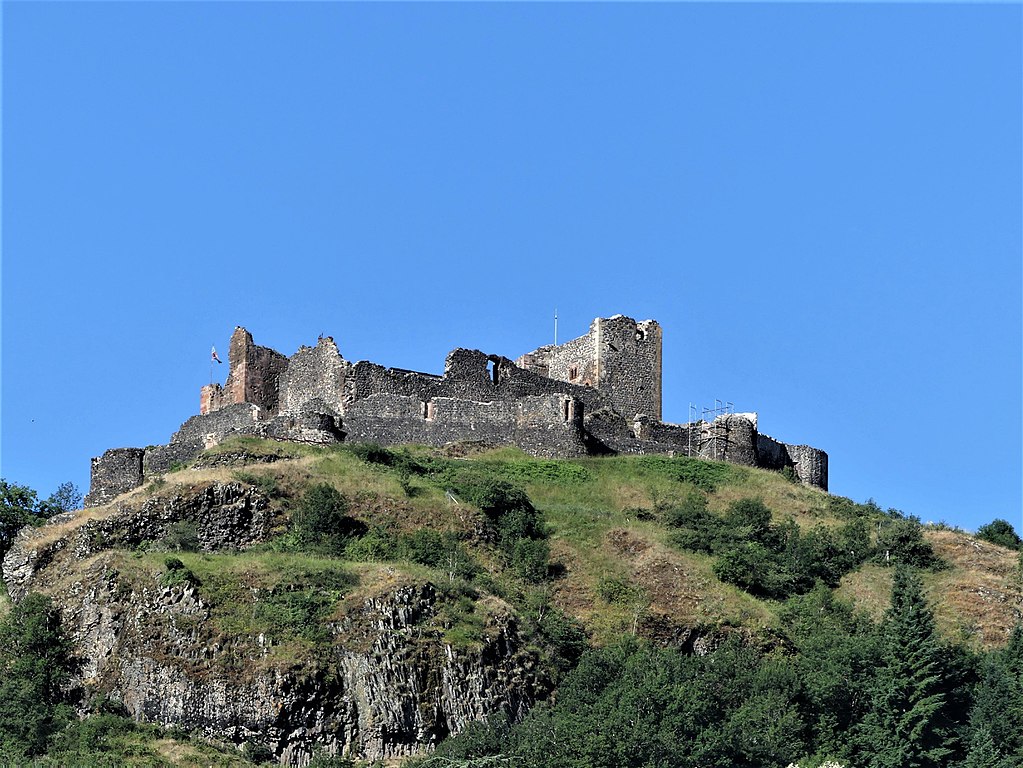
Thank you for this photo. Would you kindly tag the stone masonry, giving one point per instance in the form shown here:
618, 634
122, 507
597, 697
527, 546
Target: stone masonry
599, 394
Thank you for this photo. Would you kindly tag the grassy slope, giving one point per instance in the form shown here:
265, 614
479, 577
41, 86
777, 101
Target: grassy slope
600, 535
604, 530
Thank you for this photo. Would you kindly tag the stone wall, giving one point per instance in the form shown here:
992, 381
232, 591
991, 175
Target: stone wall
619, 357
629, 364
810, 464
115, 472
550, 425
255, 373
314, 373
367, 379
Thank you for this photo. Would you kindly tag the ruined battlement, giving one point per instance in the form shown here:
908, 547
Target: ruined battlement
599, 394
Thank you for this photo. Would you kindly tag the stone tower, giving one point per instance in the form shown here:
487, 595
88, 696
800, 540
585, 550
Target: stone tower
619, 357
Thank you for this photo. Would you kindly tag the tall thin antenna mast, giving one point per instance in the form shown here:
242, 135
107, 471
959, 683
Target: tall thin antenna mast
555, 326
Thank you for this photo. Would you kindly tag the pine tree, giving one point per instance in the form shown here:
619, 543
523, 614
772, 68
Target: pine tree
903, 728
983, 752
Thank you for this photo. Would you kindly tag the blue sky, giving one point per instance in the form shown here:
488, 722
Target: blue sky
821, 204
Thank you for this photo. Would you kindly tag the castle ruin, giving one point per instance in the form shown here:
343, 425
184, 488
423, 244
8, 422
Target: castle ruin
599, 394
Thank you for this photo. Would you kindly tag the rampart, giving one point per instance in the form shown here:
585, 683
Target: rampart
597, 394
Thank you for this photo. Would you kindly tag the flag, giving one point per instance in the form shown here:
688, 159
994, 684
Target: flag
214, 356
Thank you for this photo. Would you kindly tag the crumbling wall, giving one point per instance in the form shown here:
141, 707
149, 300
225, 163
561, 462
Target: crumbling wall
772, 454
629, 364
545, 425
201, 432
314, 373
254, 377
115, 472
366, 379
810, 464
730, 437
619, 357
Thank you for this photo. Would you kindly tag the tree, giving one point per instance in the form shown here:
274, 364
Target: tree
322, 522
904, 727
18, 508
1000, 532
36, 663
66, 498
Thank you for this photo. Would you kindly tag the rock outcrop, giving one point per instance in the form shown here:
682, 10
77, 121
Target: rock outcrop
380, 681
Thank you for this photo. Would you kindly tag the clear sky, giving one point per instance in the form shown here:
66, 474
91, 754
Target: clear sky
821, 204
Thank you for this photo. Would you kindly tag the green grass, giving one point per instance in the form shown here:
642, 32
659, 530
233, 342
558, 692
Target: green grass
287, 598
590, 506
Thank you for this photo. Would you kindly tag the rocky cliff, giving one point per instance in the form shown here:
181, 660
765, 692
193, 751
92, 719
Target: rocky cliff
285, 652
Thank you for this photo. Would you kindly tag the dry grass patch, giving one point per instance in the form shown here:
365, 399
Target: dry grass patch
807, 506
683, 586
869, 589
179, 753
979, 599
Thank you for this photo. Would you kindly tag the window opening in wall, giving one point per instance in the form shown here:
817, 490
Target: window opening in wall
565, 409
426, 410
640, 335
492, 370
573, 373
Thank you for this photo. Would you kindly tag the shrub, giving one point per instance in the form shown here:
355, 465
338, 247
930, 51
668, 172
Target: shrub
371, 453
375, 546
901, 540
530, 558
177, 574
36, 665
618, 592
257, 753
426, 547
1000, 532
265, 484
746, 565
321, 521
697, 529
182, 536
751, 516
789, 473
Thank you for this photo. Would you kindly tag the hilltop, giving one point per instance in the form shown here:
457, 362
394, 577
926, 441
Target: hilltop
430, 588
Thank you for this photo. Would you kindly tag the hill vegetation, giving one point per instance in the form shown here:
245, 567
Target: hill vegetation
688, 613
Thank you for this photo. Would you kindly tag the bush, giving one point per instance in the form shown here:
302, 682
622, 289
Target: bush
1000, 532
901, 540
618, 592
530, 558
257, 753
321, 521
696, 529
264, 483
177, 574
751, 517
36, 664
182, 536
375, 546
371, 453
426, 547
747, 566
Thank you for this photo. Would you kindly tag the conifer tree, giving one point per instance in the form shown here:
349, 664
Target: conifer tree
904, 727
983, 752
